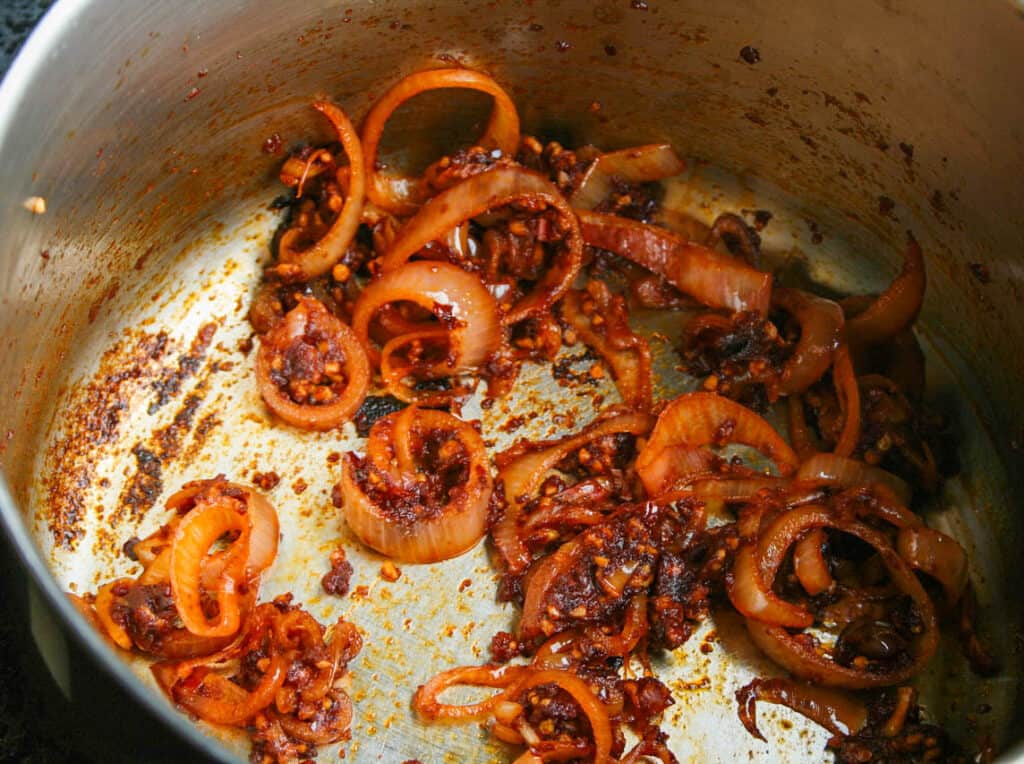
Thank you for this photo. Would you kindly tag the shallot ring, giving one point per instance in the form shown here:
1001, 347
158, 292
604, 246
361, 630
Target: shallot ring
311, 416
806, 662
195, 534
502, 131
465, 304
696, 420
440, 533
330, 248
475, 196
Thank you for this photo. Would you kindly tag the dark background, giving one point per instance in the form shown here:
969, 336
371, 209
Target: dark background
36, 724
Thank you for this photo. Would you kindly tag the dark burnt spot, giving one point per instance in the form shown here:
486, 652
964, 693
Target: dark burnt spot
772, 92
750, 54
610, 50
535, 27
373, 408
885, 205
908, 151
816, 236
756, 118
938, 202
810, 142
145, 486
170, 381
980, 272
513, 424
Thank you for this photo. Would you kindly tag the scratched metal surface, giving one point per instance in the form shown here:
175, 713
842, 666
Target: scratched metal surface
186, 407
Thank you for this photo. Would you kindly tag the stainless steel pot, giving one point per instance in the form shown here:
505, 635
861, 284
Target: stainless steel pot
141, 127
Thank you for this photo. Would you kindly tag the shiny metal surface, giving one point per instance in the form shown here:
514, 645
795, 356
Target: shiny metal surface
156, 191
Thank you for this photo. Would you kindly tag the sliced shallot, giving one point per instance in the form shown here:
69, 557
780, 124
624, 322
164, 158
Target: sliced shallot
328, 250
484, 192
717, 280
640, 164
311, 369
694, 421
414, 515
402, 196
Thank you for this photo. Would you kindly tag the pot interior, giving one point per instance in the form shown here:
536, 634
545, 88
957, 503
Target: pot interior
159, 218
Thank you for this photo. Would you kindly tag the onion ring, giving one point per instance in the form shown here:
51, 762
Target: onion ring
464, 304
296, 346
820, 322
400, 527
640, 164
804, 661
896, 308
402, 196
212, 517
695, 420
323, 255
473, 197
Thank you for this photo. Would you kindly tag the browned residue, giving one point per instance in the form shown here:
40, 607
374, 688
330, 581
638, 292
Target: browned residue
91, 420
169, 383
108, 294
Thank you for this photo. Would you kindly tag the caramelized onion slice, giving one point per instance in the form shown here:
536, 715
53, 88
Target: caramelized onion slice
848, 393
717, 280
896, 308
263, 540
103, 612
640, 164
292, 354
328, 725
426, 700
394, 371
402, 196
850, 473
323, 255
820, 322
461, 301
631, 364
810, 565
522, 473
936, 554
800, 436
593, 709
697, 420
802, 659
751, 594
837, 712
487, 191
221, 701
197, 532
414, 533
